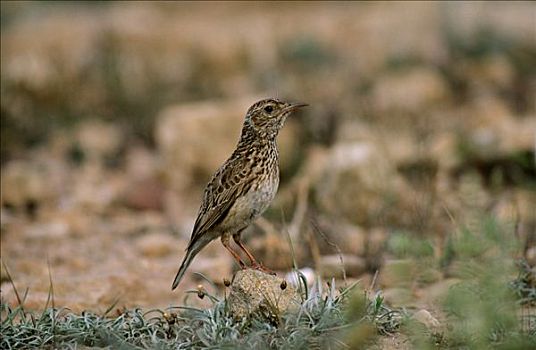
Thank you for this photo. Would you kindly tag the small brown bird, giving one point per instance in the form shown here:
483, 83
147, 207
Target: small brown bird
243, 186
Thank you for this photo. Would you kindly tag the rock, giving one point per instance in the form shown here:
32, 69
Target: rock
349, 239
144, 194
398, 297
429, 275
155, 245
98, 139
255, 293
493, 129
332, 265
25, 182
356, 181
50, 230
410, 90
437, 292
397, 273
273, 250
426, 318
531, 256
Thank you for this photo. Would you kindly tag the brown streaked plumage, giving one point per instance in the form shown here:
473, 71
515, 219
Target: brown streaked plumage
243, 186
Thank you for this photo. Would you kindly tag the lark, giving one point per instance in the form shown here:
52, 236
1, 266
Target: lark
243, 187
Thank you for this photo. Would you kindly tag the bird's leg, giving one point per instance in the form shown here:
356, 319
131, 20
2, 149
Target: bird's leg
236, 238
254, 263
225, 240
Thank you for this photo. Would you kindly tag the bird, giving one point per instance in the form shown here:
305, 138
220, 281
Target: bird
243, 187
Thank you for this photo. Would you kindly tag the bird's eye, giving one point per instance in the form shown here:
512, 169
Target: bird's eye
268, 109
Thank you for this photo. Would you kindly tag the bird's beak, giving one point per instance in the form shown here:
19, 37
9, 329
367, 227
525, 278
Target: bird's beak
295, 106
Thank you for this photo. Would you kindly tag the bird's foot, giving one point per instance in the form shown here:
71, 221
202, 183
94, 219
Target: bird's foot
260, 267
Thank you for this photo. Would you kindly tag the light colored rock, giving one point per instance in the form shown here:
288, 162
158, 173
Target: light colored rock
356, 189
493, 130
24, 182
258, 294
531, 256
273, 250
144, 194
437, 292
398, 296
334, 265
409, 91
98, 139
50, 230
397, 273
155, 245
426, 318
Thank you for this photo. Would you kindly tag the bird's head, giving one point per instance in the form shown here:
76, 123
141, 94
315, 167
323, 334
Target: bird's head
267, 117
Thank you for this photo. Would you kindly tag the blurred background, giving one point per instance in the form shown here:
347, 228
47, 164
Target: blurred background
115, 114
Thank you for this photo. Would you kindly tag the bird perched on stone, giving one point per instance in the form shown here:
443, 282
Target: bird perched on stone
243, 186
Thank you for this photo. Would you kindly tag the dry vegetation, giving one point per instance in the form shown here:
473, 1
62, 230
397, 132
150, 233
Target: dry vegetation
412, 171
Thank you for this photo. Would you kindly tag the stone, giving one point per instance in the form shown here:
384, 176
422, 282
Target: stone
255, 293
437, 292
355, 183
425, 317
145, 194
273, 250
399, 297
99, 139
155, 245
25, 182
531, 256
397, 273
333, 265
50, 230
409, 90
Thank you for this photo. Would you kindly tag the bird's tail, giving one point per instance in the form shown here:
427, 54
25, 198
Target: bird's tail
190, 254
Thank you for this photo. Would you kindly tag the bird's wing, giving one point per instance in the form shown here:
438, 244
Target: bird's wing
229, 182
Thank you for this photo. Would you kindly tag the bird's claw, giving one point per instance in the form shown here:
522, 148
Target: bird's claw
262, 268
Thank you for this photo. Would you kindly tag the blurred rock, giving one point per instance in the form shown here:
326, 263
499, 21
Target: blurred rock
437, 292
98, 139
332, 266
493, 130
530, 255
96, 189
273, 250
349, 239
409, 91
26, 184
426, 318
257, 294
361, 186
398, 296
156, 245
54, 229
397, 273
141, 163
429, 275
145, 194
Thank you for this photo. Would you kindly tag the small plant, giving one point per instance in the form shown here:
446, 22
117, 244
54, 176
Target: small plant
318, 322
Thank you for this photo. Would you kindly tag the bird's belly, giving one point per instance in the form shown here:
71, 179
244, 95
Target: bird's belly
248, 207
